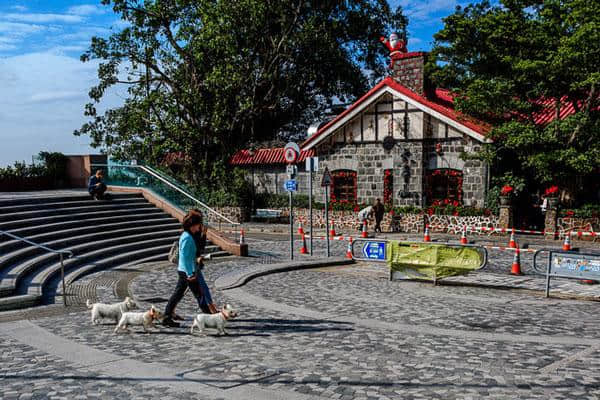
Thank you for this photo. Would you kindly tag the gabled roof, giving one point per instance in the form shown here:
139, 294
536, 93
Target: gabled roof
266, 157
438, 104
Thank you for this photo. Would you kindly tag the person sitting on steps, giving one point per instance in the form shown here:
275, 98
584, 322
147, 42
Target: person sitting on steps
96, 187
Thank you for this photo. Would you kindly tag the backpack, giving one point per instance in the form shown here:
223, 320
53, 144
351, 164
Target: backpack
173, 256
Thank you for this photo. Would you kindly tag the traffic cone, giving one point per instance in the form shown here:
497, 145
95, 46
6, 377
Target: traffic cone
364, 232
463, 237
567, 243
516, 264
426, 237
511, 243
300, 230
332, 230
303, 249
349, 249
242, 237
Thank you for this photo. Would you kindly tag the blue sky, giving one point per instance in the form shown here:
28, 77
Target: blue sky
44, 86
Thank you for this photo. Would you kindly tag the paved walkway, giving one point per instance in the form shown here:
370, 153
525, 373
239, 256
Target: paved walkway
338, 332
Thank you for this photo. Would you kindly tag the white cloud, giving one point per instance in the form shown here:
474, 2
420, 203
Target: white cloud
39, 18
19, 8
41, 103
19, 29
86, 9
6, 46
55, 96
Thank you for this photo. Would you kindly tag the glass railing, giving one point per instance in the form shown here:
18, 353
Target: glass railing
164, 186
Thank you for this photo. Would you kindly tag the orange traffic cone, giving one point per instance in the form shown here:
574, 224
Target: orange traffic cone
332, 230
303, 249
364, 232
426, 237
300, 230
516, 264
463, 237
567, 243
242, 241
349, 249
511, 243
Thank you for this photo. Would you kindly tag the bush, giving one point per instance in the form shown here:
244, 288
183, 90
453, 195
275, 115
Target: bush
585, 211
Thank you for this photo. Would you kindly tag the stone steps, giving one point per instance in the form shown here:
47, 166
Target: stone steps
123, 231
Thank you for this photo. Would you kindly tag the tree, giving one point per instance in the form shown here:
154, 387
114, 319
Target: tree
207, 77
518, 65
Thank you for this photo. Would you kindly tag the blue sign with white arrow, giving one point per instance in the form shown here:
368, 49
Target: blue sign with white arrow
291, 185
374, 250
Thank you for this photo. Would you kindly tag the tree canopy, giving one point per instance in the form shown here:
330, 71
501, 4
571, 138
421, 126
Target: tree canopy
520, 62
207, 77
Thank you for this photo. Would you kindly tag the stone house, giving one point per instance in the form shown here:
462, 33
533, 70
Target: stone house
402, 142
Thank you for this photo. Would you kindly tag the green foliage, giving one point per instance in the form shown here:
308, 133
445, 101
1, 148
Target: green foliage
55, 165
585, 211
503, 60
49, 175
22, 171
208, 77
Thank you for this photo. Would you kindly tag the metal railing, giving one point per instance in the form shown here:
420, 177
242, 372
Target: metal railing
62, 253
168, 181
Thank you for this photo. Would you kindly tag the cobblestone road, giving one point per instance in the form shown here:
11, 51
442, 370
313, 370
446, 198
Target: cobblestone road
339, 332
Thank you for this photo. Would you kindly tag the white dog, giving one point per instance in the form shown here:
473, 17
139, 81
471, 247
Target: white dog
146, 319
114, 311
216, 321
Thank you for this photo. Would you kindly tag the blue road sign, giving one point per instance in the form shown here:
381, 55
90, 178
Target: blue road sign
374, 250
291, 185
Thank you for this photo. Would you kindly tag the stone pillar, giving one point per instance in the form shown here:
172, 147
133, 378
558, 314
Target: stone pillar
551, 218
506, 216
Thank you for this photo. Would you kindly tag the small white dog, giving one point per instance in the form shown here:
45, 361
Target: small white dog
146, 319
114, 311
216, 321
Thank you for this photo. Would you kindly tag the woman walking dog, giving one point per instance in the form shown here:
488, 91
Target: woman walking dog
189, 275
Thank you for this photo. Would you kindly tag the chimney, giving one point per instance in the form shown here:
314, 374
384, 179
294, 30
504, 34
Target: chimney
408, 69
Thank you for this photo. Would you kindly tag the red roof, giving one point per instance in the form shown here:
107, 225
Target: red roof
547, 112
440, 101
266, 156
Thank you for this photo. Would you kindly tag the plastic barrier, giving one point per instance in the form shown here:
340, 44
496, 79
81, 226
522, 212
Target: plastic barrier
418, 260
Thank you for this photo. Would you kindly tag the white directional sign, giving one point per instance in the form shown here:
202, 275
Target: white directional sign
312, 164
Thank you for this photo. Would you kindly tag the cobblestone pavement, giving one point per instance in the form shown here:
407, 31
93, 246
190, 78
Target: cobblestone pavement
342, 332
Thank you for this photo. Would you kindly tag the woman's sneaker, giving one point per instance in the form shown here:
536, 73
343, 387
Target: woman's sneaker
170, 323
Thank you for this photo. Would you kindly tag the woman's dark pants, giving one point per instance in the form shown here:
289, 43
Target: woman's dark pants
182, 284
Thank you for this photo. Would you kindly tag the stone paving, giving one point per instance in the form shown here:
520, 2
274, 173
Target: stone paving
343, 332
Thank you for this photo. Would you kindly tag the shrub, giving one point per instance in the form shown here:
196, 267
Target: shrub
585, 211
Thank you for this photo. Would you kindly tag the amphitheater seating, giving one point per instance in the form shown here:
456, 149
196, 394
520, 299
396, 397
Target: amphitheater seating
101, 234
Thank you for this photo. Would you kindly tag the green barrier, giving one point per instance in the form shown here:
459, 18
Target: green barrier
427, 261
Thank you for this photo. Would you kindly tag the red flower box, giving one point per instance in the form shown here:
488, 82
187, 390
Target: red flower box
551, 191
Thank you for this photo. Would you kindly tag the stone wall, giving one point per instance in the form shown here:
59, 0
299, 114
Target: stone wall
455, 224
565, 224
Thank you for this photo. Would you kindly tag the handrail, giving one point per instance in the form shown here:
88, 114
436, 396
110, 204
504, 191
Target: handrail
159, 177
69, 253
41, 246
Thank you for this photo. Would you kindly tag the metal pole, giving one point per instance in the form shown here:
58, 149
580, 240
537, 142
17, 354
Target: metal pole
327, 217
62, 274
291, 229
310, 204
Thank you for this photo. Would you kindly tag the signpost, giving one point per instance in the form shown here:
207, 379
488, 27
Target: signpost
312, 165
291, 154
326, 182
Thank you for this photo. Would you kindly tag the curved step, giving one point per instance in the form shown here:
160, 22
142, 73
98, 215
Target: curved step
16, 273
63, 199
77, 217
113, 256
158, 253
63, 205
43, 238
25, 231
20, 301
74, 239
90, 208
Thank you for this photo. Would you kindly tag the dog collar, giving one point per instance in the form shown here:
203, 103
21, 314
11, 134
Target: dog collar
224, 315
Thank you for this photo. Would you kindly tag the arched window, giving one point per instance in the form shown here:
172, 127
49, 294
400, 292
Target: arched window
343, 188
444, 186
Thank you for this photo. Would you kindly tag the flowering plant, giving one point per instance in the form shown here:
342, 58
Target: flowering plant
551, 191
506, 190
